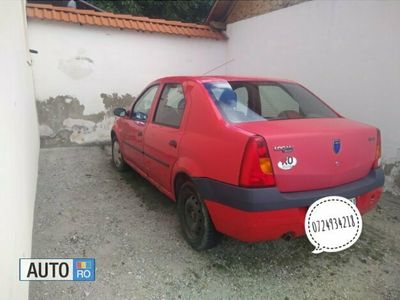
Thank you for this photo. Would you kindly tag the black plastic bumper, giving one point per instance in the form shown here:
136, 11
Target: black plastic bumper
262, 199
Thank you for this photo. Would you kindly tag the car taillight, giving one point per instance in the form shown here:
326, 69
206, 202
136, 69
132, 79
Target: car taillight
256, 170
378, 152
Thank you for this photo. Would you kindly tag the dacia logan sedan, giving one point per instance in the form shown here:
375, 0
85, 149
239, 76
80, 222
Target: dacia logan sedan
245, 157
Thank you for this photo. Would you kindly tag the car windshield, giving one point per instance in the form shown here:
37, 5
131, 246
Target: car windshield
245, 101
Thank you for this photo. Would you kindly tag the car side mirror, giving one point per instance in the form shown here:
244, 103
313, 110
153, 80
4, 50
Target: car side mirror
120, 112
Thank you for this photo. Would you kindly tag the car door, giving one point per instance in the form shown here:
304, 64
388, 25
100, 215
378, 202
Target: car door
134, 126
163, 134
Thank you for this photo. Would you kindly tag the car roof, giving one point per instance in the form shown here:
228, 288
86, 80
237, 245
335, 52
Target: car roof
203, 78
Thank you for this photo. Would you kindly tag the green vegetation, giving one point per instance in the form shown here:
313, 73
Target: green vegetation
186, 11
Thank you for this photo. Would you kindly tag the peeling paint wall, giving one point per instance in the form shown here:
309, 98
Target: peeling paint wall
82, 72
63, 121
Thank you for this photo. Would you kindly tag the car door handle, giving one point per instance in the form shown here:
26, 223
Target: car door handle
172, 143
140, 133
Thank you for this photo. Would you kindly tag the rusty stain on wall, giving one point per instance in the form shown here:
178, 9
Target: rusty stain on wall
63, 122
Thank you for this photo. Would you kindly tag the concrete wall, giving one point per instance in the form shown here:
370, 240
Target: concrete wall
19, 149
347, 52
82, 72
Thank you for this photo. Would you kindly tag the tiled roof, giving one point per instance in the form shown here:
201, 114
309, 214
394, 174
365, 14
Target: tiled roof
91, 17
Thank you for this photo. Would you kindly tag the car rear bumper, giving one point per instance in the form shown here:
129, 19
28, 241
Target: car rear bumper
261, 199
266, 214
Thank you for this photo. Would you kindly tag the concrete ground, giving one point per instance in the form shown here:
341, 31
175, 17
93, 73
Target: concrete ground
85, 208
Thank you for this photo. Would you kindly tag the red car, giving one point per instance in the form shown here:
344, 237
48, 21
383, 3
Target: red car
245, 157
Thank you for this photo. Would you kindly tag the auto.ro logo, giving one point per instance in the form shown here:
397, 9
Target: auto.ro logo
76, 269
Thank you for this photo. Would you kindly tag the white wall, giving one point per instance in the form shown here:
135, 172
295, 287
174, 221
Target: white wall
347, 52
19, 149
123, 61
86, 61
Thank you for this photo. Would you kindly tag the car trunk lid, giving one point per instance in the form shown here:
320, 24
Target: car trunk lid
309, 154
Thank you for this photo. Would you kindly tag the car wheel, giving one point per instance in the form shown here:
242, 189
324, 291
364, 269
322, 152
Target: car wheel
197, 227
117, 157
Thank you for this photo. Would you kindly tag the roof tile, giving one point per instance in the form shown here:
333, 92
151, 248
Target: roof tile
56, 15
81, 19
89, 20
47, 14
38, 13
112, 22
91, 17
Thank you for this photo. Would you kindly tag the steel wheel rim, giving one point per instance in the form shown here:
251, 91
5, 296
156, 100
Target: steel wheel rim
193, 217
117, 156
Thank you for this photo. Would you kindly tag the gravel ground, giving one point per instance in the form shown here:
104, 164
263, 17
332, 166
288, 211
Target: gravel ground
85, 208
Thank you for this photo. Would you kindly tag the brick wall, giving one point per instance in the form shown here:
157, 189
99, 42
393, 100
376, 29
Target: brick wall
244, 9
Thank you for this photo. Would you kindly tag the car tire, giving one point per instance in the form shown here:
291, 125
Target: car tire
197, 227
117, 157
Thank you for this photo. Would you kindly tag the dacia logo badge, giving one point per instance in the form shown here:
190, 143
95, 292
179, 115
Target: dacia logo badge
336, 146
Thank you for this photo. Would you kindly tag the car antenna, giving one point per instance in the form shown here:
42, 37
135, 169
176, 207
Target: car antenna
217, 67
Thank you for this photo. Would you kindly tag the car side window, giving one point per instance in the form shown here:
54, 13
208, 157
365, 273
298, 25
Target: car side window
142, 107
171, 106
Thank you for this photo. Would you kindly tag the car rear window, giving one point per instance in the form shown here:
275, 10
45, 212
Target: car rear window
244, 101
